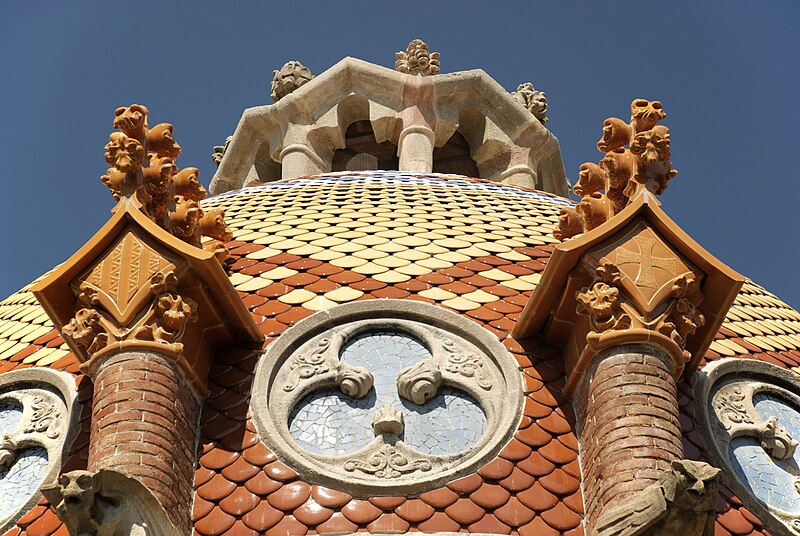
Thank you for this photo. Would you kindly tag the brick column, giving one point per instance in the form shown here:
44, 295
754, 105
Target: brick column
145, 424
629, 429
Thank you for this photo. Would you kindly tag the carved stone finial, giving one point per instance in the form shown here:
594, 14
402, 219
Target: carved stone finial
353, 381
419, 383
623, 173
417, 60
681, 502
143, 168
532, 99
291, 76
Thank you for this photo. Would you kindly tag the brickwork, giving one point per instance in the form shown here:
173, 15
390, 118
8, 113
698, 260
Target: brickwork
629, 429
144, 423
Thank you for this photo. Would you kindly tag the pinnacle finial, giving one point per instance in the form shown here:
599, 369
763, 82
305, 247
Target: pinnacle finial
143, 169
417, 60
291, 76
624, 172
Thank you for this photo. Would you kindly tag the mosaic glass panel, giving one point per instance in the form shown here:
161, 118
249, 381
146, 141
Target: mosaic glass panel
772, 481
10, 415
328, 422
21, 479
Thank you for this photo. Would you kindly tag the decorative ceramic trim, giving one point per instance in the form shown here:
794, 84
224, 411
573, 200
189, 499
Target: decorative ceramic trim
49, 421
464, 356
723, 405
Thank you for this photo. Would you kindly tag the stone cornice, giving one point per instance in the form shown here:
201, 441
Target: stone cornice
135, 286
637, 278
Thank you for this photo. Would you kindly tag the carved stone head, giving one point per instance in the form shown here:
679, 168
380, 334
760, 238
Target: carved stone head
132, 120
591, 179
291, 76
161, 142
645, 114
417, 59
186, 184
690, 485
124, 152
532, 99
212, 224
616, 134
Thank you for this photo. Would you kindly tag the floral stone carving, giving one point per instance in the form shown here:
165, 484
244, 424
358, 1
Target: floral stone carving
623, 173
417, 59
532, 99
345, 369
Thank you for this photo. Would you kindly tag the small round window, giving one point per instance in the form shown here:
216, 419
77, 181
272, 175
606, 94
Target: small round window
386, 395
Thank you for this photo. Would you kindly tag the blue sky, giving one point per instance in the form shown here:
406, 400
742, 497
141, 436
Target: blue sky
727, 73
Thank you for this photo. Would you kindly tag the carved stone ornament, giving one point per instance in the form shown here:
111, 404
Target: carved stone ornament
38, 421
532, 99
623, 173
635, 279
219, 151
748, 413
291, 76
134, 286
143, 169
107, 503
457, 362
681, 502
417, 59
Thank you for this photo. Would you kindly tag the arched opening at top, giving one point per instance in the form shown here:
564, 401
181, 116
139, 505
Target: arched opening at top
454, 157
363, 152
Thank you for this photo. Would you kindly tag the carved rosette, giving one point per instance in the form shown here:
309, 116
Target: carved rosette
417, 59
637, 158
287, 79
142, 168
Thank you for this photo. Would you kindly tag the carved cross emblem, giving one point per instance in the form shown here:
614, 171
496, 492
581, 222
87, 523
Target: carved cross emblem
646, 260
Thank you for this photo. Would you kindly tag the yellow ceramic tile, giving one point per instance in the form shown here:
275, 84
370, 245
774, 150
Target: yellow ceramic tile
263, 254
370, 268
732, 346
390, 247
297, 296
17, 347
327, 255
493, 247
412, 241
237, 278
392, 262
519, 284
51, 358
452, 243
305, 251
461, 304
343, 294
266, 240
348, 247
412, 255
413, 270
497, 275
437, 294
370, 240
479, 296
250, 236
434, 264
328, 242
276, 274
254, 284
473, 252
513, 256
433, 249
318, 303
370, 254
761, 342
391, 277
348, 262
391, 234
452, 256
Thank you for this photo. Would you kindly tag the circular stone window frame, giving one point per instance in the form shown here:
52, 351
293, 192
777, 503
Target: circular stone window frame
729, 385
52, 426
278, 387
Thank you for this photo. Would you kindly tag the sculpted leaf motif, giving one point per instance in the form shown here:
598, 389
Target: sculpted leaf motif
302, 367
388, 463
467, 365
730, 408
46, 418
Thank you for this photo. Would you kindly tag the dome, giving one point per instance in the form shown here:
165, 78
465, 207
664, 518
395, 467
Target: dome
472, 246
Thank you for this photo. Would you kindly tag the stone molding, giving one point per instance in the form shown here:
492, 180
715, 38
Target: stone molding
724, 410
501, 131
107, 503
134, 286
306, 359
637, 278
50, 420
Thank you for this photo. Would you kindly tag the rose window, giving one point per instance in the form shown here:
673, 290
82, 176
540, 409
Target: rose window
752, 415
386, 394
34, 422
